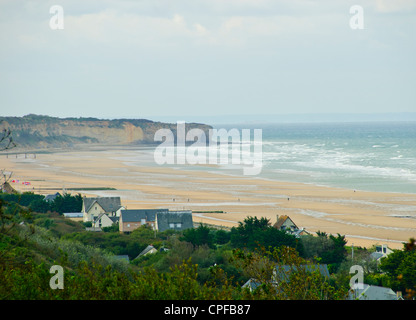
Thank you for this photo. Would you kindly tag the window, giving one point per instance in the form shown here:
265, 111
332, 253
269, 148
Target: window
143, 221
172, 225
179, 225
128, 225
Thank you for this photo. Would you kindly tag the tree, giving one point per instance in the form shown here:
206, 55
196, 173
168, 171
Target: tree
6, 142
67, 203
199, 236
245, 235
113, 228
400, 267
10, 220
271, 237
40, 205
221, 237
28, 199
325, 249
254, 232
299, 282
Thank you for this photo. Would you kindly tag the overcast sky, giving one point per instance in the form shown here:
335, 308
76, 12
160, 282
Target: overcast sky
182, 58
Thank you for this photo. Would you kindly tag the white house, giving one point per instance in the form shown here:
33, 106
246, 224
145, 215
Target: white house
382, 251
104, 220
369, 292
93, 207
148, 250
284, 223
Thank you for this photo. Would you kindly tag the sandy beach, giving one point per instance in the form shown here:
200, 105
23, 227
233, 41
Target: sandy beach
365, 218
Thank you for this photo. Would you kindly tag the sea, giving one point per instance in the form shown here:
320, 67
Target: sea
369, 156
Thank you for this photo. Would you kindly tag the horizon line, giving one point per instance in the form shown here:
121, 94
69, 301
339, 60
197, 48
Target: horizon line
256, 118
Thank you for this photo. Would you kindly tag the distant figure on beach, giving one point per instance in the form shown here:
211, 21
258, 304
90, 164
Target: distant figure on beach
173, 199
287, 199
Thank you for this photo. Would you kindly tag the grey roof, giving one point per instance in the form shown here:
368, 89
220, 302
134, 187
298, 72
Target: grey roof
146, 250
282, 273
73, 214
109, 204
184, 218
99, 217
139, 214
373, 293
376, 255
51, 197
252, 284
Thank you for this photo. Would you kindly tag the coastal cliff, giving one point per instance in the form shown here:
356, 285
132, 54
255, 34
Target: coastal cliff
37, 131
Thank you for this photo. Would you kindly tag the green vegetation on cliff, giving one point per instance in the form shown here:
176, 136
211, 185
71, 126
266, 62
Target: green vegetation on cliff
201, 263
38, 131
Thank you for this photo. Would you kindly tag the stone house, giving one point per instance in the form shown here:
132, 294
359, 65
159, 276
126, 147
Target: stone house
174, 220
133, 219
157, 219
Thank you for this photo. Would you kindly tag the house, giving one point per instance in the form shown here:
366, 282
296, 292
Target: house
157, 219
148, 250
284, 223
133, 219
282, 273
104, 220
174, 220
252, 284
92, 207
382, 251
51, 197
369, 292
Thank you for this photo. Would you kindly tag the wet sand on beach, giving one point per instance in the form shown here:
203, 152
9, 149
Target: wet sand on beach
365, 218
